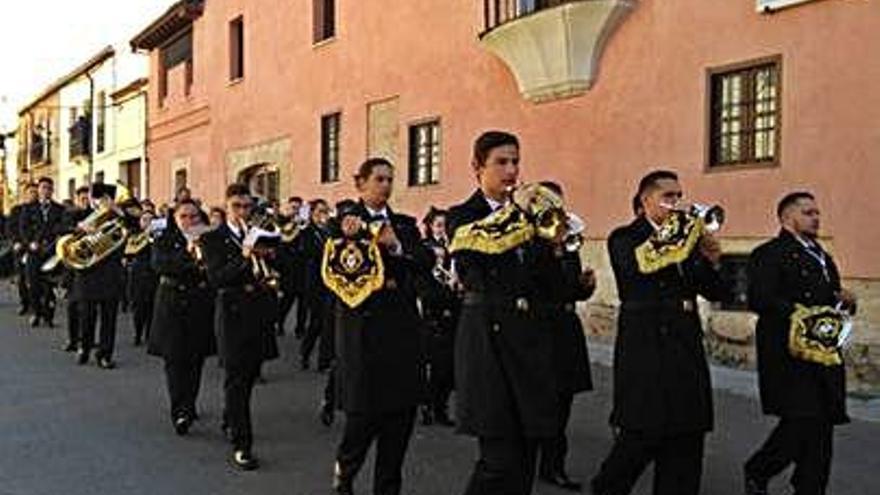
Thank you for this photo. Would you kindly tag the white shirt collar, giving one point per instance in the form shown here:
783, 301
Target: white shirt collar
377, 213
234, 228
494, 205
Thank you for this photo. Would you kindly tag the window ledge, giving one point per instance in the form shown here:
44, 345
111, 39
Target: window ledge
555, 53
325, 42
739, 167
234, 82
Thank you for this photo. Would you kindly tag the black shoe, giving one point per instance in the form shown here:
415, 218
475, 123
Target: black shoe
341, 486
227, 432
755, 486
561, 480
50, 323
137, 342
244, 460
23, 310
69, 347
182, 424
261, 380
106, 363
35, 321
304, 365
82, 356
327, 415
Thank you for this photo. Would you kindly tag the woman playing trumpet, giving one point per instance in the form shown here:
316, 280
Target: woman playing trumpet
182, 332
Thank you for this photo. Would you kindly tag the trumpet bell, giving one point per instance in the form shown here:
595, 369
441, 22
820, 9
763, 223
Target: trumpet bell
713, 216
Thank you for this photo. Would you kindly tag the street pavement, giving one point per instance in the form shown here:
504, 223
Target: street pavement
79, 430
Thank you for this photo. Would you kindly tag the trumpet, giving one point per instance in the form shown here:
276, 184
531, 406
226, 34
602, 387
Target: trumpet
713, 216
574, 234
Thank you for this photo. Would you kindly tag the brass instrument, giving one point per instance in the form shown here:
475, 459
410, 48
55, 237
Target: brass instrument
679, 234
137, 242
262, 271
291, 230
574, 235
100, 235
193, 237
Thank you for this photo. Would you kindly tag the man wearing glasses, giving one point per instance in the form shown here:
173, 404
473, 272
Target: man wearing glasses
245, 317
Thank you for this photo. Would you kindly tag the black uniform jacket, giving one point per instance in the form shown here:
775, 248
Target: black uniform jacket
781, 273
183, 312
504, 371
661, 377
377, 343
246, 311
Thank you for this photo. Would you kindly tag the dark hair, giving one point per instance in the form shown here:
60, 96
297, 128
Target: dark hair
490, 140
366, 169
30, 185
237, 189
81, 190
297, 199
649, 182
432, 215
46, 180
790, 199
184, 202
637, 205
553, 186
317, 202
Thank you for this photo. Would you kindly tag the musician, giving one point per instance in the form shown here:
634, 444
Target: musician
217, 216
98, 289
40, 225
311, 250
440, 310
290, 264
662, 391
183, 326
572, 363
19, 249
504, 372
142, 279
245, 317
377, 342
72, 217
808, 397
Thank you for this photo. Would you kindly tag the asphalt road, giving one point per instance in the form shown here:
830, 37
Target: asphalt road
79, 430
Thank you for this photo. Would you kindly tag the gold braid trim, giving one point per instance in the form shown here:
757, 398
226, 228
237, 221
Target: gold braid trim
671, 245
498, 233
814, 334
136, 243
352, 269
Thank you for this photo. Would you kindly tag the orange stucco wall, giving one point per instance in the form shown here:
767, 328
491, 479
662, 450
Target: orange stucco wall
647, 108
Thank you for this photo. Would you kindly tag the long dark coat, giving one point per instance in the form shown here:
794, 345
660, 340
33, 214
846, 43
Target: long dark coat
245, 311
782, 273
661, 377
35, 227
142, 277
504, 372
377, 343
183, 312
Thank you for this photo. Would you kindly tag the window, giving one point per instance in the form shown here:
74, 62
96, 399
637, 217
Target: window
100, 124
424, 153
734, 272
130, 176
180, 179
71, 188
263, 181
324, 12
99, 177
330, 125
236, 49
745, 115
179, 51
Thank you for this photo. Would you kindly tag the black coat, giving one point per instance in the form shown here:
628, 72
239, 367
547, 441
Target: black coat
245, 311
310, 247
377, 343
504, 370
142, 278
782, 273
661, 377
183, 312
42, 229
104, 281
570, 356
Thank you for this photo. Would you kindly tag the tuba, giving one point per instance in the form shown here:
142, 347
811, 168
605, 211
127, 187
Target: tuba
101, 234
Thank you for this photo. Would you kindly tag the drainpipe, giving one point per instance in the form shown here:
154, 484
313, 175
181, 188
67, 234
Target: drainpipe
91, 153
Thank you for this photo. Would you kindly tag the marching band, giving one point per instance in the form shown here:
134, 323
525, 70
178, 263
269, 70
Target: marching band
482, 301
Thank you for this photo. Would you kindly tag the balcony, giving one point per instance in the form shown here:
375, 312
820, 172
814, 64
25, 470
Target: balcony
552, 47
80, 138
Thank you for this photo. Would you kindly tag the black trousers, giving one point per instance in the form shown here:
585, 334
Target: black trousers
183, 378
391, 432
238, 387
506, 467
553, 451
73, 324
143, 317
90, 313
22, 283
805, 442
678, 463
285, 305
330, 388
40, 295
318, 328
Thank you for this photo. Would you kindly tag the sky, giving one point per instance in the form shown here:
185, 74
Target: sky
42, 40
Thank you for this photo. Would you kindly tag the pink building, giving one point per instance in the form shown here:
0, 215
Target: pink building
746, 100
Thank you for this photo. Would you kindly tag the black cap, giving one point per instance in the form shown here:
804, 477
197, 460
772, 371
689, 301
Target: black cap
100, 190
347, 207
